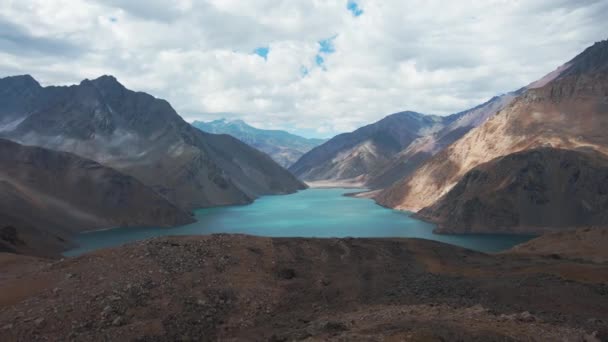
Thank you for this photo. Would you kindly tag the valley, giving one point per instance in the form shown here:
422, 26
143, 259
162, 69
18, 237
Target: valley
481, 217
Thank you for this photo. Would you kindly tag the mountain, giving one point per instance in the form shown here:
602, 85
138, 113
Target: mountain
48, 195
567, 110
408, 160
141, 136
285, 148
352, 156
533, 191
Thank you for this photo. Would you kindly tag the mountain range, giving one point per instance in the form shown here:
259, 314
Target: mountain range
566, 110
503, 166
351, 156
285, 148
141, 138
379, 154
483, 169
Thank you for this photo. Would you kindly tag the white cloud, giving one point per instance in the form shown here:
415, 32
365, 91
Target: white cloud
428, 56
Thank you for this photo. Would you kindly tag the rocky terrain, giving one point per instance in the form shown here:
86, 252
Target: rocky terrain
583, 244
567, 110
285, 148
141, 136
354, 155
226, 287
45, 196
409, 159
531, 192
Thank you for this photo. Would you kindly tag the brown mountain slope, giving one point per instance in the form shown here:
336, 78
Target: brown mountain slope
46, 194
587, 244
142, 136
408, 160
568, 112
533, 191
241, 288
354, 155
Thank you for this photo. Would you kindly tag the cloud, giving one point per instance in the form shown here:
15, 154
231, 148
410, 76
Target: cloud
18, 41
324, 66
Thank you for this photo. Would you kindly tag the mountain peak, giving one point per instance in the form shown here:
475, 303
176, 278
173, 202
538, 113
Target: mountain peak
107, 81
104, 81
594, 59
229, 121
21, 81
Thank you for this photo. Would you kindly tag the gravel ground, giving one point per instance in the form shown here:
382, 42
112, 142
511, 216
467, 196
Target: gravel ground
235, 287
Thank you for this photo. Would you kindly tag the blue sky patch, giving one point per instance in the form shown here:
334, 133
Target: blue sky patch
319, 60
262, 51
327, 45
113, 19
304, 71
353, 7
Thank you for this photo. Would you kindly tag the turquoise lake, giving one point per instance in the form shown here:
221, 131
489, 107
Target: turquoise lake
320, 213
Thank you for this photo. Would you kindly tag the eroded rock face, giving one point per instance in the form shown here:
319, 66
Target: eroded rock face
570, 111
532, 191
141, 136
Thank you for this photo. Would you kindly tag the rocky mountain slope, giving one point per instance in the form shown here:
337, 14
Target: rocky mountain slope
45, 196
142, 136
226, 287
354, 155
567, 110
408, 160
285, 148
533, 191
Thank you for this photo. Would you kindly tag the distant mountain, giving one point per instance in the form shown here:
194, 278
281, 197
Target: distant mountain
141, 136
352, 156
285, 148
567, 109
533, 191
46, 196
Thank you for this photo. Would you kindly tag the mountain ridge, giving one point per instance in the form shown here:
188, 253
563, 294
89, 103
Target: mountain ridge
569, 111
354, 154
284, 147
142, 136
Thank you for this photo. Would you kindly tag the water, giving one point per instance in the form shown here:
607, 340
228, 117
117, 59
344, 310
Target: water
310, 213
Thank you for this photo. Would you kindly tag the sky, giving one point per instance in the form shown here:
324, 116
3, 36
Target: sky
313, 67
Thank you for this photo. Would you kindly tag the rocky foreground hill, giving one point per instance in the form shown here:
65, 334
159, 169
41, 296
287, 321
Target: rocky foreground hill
234, 288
